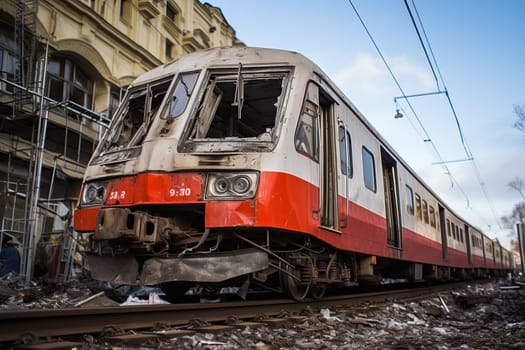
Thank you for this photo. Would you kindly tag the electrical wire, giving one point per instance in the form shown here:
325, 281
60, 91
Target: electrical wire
427, 138
469, 154
422, 44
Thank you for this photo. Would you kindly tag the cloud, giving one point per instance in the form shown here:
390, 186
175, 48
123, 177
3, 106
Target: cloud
367, 75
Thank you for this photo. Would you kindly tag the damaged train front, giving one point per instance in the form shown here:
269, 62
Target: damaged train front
170, 152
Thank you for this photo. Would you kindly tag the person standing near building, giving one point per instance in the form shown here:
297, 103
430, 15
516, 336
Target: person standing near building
9, 258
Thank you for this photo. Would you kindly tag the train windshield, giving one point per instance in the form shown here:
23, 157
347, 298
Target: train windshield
136, 113
239, 109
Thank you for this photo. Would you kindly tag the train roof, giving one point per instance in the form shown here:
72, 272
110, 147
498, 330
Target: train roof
256, 56
220, 56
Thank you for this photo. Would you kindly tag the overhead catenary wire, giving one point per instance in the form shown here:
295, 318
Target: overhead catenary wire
423, 45
435, 67
427, 138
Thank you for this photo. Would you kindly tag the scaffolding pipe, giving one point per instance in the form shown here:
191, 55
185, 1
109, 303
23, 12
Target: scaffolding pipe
35, 193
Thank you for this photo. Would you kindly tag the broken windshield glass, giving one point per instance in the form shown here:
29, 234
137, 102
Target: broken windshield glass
135, 115
241, 104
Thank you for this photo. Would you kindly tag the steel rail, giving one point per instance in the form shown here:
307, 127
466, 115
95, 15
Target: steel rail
73, 321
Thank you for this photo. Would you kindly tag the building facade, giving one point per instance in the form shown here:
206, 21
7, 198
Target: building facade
64, 66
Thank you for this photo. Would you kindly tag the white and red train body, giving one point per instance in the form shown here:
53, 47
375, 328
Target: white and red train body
249, 164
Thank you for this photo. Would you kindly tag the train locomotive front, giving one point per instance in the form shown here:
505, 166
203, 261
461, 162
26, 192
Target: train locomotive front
205, 177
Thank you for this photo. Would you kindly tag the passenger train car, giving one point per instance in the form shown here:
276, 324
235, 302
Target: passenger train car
248, 166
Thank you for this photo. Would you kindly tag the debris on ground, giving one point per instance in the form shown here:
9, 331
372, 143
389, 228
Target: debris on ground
481, 316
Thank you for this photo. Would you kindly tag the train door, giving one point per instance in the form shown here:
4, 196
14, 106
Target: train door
393, 215
328, 182
345, 151
468, 243
444, 242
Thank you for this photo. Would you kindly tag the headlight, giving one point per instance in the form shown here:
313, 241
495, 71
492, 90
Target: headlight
231, 185
93, 193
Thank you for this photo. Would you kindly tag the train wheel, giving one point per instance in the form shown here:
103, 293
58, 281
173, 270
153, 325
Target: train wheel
292, 287
317, 292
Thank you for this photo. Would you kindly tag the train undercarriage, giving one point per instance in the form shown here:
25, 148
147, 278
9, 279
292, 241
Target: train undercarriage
131, 247
177, 253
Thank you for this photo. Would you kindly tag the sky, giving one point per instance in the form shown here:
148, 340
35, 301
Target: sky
479, 47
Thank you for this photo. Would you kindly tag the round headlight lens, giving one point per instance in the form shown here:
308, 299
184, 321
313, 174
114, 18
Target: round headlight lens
241, 184
91, 194
94, 193
221, 185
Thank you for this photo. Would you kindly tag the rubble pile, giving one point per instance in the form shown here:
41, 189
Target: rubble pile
496, 320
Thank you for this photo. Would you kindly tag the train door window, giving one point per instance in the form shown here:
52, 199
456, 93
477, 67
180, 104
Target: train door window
410, 200
425, 212
369, 170
418, 206
345, 147
306, 137
432, 214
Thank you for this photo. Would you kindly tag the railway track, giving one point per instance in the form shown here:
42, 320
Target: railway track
26, 326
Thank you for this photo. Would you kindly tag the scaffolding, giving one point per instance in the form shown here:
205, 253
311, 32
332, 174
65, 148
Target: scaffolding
25, 212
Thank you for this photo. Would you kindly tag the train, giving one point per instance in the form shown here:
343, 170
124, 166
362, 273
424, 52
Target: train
248, 167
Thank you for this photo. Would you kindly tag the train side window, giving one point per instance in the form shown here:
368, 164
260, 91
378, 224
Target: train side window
345, 147
448, 228
425, 212
418, 206
410, 200
432, 214
461, 234
369, 169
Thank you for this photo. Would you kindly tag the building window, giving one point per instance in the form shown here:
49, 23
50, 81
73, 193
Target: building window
369, 170
169, 50
68, 82
171, 13
125, 10
410, 200
7, 57
7, 69
345, 147
115, 97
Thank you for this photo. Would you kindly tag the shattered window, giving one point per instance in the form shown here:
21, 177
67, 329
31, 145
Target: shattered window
135, 115
239, 105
